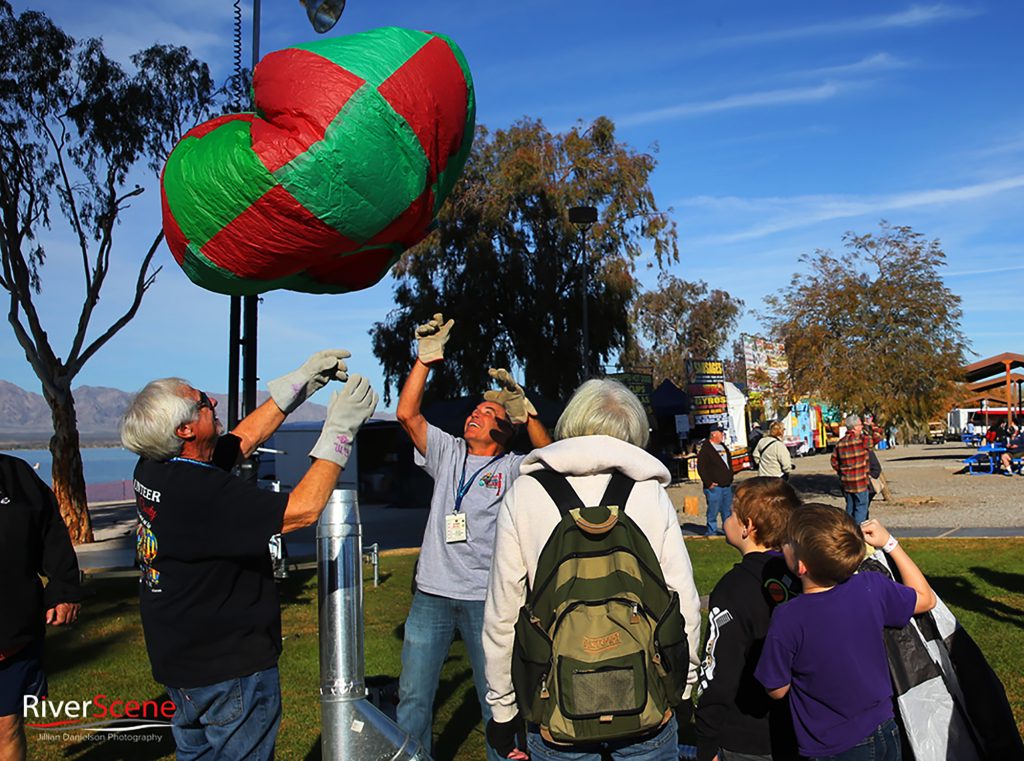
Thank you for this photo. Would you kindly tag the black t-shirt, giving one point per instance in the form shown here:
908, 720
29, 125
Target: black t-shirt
733, 710
209, 605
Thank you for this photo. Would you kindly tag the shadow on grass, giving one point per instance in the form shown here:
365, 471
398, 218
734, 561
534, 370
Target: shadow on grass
957, 591
295, 589
1010, 582
463, 721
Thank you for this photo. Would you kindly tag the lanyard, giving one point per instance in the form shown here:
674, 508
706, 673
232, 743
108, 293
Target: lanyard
194, 462
464, 485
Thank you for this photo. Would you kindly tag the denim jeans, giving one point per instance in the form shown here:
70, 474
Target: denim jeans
234, 719
881, 745
661, 746
720, 504
429, 631
857, 505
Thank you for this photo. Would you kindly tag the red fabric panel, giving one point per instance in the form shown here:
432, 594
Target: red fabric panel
355, 271
176, 240
298, 95
276, 236
411, 224
429, 92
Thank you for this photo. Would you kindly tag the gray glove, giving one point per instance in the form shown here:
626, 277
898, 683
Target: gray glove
291, 390
348, 409
431, 338
511, 396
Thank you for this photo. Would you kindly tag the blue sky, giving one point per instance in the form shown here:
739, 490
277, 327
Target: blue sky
779, 126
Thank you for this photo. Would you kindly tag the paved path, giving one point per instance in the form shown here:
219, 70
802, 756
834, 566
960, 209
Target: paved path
391, 527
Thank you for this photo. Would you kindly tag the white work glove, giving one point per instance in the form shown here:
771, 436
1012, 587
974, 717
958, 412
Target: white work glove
511, 396
431, 338
348, 409
291, 390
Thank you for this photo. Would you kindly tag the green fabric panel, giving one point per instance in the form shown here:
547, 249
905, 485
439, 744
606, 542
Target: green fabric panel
615, 584
374, 55
364, 173
201, 180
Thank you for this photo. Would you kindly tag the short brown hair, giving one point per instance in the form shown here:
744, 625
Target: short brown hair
827, 540
766, 503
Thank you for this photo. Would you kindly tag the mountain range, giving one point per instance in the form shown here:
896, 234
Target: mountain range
25, 416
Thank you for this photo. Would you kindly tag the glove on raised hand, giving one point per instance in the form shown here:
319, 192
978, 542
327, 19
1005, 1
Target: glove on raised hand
431, 338
291, 390
348, 409
511, 396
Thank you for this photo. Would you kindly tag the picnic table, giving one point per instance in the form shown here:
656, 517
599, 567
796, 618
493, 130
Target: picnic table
985, 460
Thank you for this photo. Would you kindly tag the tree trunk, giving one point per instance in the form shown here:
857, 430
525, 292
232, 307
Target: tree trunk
68, 477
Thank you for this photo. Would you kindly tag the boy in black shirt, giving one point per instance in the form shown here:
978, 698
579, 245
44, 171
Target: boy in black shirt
735, 718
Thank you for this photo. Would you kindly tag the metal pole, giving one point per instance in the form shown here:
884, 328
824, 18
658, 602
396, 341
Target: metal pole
586, 288
352, 728
234, 347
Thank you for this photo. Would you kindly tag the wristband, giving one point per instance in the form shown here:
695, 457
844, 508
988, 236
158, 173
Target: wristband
890, 545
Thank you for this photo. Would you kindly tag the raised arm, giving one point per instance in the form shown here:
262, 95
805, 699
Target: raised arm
287, 393
878, 536
347, 411
520, 410
430, 340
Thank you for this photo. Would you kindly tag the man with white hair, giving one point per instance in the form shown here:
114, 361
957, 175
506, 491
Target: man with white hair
851, 459
210, 609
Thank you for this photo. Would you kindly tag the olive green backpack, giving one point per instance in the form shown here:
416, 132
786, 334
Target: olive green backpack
600, 648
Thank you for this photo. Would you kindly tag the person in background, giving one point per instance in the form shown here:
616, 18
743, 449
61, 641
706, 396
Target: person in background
850, 459
34, 544
714, 467
771, 455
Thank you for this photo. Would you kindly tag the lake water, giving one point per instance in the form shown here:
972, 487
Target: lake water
101, 464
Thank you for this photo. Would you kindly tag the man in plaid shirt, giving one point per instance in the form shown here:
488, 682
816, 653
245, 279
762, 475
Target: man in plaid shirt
850, 459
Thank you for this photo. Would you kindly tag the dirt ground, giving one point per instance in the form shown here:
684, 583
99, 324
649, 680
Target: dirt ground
927, 489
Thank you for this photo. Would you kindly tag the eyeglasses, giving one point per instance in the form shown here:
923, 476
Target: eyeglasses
203, 402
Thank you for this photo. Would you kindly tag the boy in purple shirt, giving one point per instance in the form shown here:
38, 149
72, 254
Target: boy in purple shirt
825, 648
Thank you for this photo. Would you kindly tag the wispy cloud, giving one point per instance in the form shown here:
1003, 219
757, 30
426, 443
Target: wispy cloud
871, 64
983, 271
764, 99
803, 211
914, 16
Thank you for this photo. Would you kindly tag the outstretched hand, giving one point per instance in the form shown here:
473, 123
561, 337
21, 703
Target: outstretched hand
431, 338
347, 411
511, 396
291, 390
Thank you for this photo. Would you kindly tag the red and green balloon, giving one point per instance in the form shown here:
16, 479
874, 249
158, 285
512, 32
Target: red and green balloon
355, 144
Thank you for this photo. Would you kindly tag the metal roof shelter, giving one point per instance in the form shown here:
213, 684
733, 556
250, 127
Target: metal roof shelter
1001, 363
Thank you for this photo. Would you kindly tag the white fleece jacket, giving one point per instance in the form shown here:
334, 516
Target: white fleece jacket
527, 517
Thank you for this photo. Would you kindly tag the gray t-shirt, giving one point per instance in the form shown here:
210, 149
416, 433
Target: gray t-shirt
459, 570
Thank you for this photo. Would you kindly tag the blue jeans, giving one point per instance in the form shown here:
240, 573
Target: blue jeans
234, 719
429, 631
881, 745
719, 503
662, 746
857, 503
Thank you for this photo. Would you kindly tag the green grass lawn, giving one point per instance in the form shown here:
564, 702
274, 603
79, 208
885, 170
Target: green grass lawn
982, 581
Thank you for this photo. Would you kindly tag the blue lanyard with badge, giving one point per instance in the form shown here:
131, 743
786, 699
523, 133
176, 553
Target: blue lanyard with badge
455, 522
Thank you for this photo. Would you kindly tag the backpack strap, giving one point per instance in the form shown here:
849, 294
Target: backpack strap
557, 486
619, 488
566, 499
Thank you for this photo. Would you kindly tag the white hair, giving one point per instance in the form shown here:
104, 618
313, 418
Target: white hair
852, 421
149, 424
604, 407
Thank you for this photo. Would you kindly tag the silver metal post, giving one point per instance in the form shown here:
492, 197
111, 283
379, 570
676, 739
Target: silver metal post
352, 729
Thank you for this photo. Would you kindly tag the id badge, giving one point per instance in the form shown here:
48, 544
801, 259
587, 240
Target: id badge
455, 527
